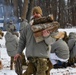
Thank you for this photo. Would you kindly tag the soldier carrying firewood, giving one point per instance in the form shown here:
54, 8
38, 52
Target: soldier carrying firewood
37, 50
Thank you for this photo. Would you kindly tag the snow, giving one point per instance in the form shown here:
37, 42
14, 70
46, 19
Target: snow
68, 30
6, 60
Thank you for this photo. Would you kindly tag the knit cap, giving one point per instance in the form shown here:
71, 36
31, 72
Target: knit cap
37, 9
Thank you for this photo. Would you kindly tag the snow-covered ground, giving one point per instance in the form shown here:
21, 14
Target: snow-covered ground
6, 60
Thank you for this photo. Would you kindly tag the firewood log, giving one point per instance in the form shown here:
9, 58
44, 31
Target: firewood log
45, 19
38, 29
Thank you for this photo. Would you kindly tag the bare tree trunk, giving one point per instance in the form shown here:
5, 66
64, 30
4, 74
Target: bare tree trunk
20, 5
7, 2
69, 12
54, 11
73, 9
31, 4
24, 10
7, 12
6, 8
48, 7
15, 5
61, 5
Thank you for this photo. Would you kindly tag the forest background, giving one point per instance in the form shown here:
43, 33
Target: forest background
64, 11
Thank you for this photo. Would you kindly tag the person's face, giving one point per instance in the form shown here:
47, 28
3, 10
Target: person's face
36, 15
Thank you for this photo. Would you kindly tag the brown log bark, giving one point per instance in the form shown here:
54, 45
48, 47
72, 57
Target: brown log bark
43, 19
39, 27
38, 33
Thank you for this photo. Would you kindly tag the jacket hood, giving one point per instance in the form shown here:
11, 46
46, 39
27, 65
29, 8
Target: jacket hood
72, 35
9, 36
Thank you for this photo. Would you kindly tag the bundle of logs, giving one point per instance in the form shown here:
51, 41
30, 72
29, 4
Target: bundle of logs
43, 23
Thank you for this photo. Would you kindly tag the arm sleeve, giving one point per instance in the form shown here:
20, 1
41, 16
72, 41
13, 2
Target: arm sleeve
22, 41
49, 40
